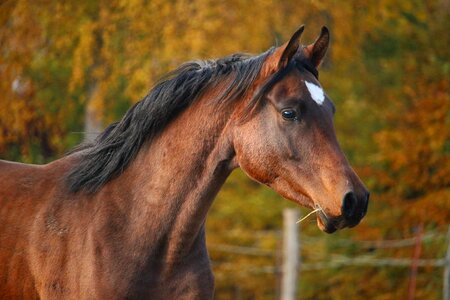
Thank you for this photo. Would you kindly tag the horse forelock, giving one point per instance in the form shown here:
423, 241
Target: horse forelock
299, 62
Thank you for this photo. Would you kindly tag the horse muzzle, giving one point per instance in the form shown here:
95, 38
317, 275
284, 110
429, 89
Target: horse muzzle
353, 209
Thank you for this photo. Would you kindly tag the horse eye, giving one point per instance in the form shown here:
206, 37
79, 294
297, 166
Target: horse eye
289, 114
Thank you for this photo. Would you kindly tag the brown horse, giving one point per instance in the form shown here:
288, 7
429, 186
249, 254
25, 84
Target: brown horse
124, 217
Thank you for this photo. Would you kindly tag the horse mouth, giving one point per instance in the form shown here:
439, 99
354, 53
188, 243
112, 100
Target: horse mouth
325, 224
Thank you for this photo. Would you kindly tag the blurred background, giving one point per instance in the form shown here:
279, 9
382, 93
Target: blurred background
69, 68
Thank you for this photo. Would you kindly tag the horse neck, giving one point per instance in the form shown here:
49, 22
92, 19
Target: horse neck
174, 180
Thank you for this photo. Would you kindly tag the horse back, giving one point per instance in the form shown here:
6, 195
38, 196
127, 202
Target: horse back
18, 185
24, 190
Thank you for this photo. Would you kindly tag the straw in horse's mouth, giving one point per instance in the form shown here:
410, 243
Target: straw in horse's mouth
319, 209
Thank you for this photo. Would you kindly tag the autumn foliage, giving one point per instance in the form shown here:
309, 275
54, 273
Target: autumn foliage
67, 67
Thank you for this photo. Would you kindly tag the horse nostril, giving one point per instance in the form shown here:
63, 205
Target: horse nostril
349, 205
366, 204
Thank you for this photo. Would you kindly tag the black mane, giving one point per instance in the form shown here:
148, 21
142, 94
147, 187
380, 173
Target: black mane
118, 145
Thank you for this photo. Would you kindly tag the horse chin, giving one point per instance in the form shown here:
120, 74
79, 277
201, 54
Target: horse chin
324, 224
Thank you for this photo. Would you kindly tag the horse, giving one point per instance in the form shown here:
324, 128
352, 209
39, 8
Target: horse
124, 216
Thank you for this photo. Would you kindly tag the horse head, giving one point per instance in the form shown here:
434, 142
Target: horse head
287, 139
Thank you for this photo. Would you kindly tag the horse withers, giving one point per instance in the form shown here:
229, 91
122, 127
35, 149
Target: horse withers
124, 216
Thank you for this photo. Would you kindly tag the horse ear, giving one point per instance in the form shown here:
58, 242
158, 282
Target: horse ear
317, 50
283, 54
291, 48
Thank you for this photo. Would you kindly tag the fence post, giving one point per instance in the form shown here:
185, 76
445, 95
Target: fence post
446, 285
290, 254
414, 263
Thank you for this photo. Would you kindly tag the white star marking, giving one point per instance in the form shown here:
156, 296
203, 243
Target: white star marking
316, 92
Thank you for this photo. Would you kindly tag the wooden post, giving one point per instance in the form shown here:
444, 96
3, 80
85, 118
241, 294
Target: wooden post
290, 254
414, 264
446, 285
